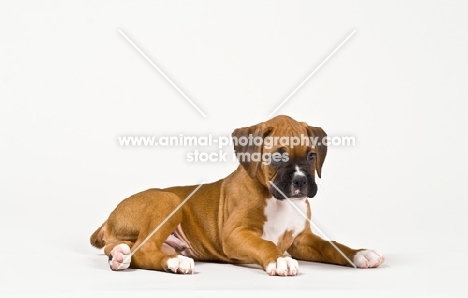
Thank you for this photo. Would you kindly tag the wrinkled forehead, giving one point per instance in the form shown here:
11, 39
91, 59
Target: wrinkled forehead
294, 144
294, 152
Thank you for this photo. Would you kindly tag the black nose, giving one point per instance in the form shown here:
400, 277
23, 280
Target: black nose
299, 180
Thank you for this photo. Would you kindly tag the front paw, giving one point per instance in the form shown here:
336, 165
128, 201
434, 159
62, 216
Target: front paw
284, 266
368, 259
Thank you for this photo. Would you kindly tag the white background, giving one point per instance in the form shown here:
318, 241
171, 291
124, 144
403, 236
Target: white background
70, 84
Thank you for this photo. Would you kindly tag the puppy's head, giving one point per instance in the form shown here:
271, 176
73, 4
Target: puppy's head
283, 155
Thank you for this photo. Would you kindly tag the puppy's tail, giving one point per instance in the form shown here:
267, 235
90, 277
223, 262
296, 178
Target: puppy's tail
97, 239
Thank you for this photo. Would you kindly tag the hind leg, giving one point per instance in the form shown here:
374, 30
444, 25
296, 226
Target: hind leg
148, 214
147, 257
150, 250
120, 258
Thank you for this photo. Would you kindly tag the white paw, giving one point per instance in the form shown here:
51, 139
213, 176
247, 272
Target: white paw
120, 257
368, 259
284, 266
181, 264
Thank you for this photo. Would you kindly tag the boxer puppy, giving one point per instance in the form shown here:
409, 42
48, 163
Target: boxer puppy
257, 214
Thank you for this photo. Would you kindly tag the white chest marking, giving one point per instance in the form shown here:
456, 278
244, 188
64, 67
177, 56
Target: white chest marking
282, 217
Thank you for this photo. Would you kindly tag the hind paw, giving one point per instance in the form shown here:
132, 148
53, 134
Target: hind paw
181, 264
120, 257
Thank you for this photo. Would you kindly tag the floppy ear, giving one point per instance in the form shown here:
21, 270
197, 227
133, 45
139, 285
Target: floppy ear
245, 152
319, 134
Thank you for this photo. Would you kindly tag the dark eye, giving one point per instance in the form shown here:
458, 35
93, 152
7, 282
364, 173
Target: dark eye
277, 158
311, 157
